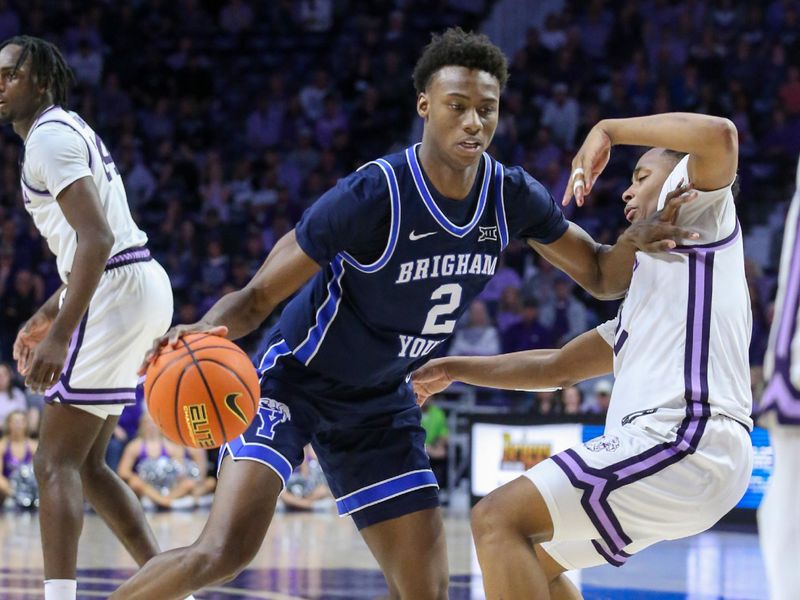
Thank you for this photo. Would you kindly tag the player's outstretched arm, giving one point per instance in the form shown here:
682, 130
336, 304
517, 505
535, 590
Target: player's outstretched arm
236, 314
712, 144
587, 356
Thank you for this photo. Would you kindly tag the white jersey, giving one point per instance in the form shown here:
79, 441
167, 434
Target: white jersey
60, 149
782, 360
682, 335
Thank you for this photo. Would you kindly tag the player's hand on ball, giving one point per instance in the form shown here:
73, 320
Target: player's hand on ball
430, 379
171, 339
658, 232
33, 331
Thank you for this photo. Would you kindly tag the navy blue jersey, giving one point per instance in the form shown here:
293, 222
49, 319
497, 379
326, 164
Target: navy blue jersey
401, 264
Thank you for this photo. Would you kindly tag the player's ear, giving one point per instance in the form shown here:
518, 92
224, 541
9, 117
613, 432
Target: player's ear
423, 105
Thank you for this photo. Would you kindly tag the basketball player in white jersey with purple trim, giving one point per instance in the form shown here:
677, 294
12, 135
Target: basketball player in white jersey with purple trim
82, 347
676, 454
778, 515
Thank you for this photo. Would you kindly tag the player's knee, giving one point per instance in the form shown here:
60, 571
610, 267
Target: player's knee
223, 560
488, 520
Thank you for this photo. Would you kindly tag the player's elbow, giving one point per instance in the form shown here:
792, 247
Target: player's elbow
724, 134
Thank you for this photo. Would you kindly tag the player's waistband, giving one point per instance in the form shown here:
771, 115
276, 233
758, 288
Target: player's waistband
128, 257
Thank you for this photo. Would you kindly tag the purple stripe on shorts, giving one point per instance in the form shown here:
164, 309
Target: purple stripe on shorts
127, 257
597, 484
614, 559
91, 396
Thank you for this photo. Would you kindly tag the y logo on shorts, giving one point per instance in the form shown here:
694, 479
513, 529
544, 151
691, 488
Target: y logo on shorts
271, 413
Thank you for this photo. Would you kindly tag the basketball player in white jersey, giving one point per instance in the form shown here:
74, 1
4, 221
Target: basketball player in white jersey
676, 454
778, 515
82, 347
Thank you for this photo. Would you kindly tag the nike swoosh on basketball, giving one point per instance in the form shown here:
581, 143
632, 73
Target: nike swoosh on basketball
230, 402
418, 236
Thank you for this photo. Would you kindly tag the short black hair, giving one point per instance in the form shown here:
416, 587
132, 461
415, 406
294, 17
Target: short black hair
675, 155
47, 65
456, 47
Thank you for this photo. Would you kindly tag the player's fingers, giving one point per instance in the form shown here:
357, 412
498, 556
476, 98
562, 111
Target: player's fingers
219, 330
579, 182
23, 362
568, 191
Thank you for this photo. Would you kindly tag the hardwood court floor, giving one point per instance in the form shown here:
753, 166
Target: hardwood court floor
321, 557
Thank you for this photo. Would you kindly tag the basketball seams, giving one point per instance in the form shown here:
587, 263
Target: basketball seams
207, 386
177, 404
253, 400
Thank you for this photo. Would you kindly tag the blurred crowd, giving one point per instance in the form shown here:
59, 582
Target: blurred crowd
227, 118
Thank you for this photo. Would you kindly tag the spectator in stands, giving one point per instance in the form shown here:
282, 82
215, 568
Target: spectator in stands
509, 309
12, 398
528, 334
477, 337
572, 400
16, 455
565, 317
437, 434
156, 469
561, 115
601, 397
306, 488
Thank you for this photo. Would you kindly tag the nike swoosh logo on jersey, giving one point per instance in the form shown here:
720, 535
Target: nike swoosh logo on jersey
230, 402
418, 236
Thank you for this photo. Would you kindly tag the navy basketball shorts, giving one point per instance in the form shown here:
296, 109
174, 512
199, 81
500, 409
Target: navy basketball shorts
369, 441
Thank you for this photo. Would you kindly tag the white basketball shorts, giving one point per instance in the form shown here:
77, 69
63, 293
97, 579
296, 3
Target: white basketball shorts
130, 308
658, 477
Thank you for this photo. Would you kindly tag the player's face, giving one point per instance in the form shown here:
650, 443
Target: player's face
641, 198
460, 108
18, 94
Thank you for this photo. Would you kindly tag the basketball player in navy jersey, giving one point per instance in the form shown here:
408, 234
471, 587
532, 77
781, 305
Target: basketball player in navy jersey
385, 263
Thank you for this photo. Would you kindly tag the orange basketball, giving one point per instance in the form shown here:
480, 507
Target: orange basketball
203, 393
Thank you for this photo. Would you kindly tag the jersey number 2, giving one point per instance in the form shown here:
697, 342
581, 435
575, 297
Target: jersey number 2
433, 325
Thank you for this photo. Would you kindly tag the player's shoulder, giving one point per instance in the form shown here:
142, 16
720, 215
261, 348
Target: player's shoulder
59, 127
521, 189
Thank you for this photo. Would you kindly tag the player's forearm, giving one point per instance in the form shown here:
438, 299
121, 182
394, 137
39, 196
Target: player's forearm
685, 132
87, 268
50, 308
239, 312
528, 370
614, 268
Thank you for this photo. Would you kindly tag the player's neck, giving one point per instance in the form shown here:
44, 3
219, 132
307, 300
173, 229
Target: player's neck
454, 183
23, 126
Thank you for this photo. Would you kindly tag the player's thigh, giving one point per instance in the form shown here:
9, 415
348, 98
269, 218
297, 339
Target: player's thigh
66, 435
517, 506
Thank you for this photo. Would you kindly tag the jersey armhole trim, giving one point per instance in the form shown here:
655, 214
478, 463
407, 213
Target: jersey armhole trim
394, 227
500, 205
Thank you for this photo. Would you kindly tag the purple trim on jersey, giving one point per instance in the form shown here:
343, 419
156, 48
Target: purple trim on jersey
597, 484
31, 188
780, 394
41, 114
128, 257
88, 148
719, 245
620, 341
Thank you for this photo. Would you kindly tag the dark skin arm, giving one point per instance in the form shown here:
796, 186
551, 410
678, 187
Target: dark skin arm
81, 206
236, 314
605, 271
587, 356
35, 330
